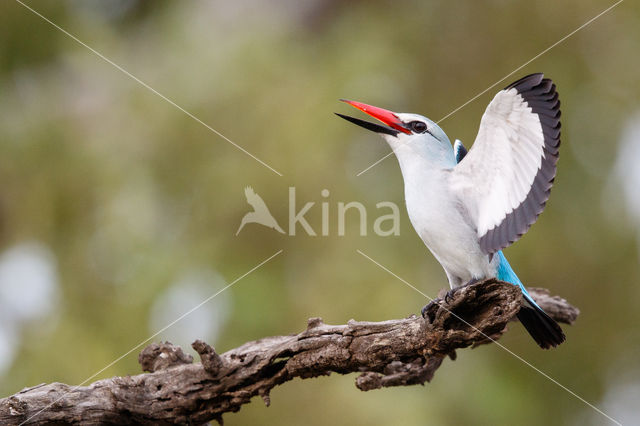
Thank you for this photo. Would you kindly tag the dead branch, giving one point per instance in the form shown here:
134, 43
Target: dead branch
389, 353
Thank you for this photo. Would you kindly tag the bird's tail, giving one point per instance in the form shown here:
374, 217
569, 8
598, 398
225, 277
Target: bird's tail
544, 329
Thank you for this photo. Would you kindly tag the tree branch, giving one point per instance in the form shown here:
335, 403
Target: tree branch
388, 353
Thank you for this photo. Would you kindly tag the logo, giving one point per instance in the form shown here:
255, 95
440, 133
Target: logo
260, 213
384, 225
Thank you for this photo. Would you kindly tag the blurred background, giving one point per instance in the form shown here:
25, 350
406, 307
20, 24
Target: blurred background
118, 212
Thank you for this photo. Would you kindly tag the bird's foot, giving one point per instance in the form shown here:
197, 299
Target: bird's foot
451, 293
448, 296
430, 310
427, 307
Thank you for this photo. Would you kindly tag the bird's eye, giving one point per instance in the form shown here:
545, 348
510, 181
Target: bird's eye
418, 126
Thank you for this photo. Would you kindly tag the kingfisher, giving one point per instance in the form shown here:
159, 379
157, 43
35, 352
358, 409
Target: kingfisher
469, 206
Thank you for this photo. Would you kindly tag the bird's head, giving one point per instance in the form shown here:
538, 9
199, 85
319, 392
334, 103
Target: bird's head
406, 133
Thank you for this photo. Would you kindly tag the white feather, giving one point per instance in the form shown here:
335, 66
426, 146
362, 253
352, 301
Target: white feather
501, 166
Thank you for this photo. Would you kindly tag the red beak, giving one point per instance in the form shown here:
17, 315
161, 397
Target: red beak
387, 117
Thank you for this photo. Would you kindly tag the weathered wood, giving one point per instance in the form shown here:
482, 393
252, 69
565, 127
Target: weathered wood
390, 353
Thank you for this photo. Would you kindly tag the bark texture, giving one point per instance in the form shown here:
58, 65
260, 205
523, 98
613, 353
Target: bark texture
389, 353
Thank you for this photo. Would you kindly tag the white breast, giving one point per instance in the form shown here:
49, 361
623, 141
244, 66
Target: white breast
441, 225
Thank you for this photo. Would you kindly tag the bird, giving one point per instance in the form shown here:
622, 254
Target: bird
467, 206
260, 213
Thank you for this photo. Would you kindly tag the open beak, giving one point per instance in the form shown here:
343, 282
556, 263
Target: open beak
392, 126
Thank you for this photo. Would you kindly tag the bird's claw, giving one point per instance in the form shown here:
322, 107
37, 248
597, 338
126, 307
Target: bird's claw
426, 308
447, 297
450, 294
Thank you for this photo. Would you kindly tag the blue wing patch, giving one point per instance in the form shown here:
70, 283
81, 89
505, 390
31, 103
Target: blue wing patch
459, 150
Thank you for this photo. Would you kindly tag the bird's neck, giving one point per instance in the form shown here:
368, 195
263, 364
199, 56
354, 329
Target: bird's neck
417, 158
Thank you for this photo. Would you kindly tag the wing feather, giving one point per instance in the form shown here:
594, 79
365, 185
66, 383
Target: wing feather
507, 174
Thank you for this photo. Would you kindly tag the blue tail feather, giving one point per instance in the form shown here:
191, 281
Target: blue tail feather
544, 330
506, 273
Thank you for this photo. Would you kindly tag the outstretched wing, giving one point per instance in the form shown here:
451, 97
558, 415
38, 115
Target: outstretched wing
505, 179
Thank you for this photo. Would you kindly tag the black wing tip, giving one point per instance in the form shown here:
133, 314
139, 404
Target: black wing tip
541, 96
545, 330
531, 79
